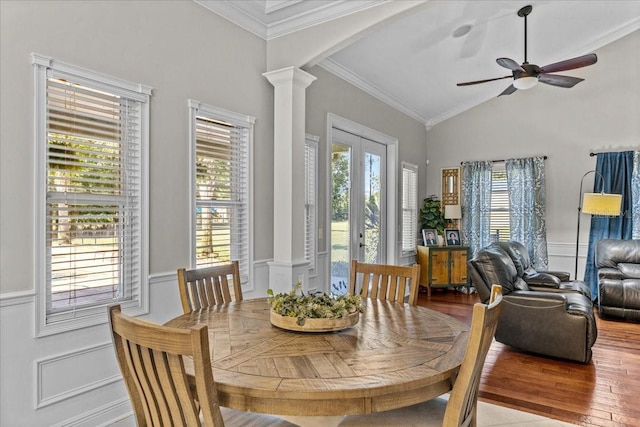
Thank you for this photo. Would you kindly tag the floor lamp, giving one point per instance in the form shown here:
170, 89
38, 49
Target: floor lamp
595, 204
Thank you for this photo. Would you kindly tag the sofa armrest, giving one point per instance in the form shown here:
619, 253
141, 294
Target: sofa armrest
563, 276
537, 299
553, 324
542, 280
629, 270
610, 273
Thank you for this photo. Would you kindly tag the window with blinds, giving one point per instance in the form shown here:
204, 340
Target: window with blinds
409, 207
91, 142
221, 187
499, 224
310, 206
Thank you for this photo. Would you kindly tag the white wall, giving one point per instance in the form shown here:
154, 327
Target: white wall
599, 114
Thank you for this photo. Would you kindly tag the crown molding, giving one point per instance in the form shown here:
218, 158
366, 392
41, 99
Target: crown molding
325, 13
246, 17
236, 15
612, 36
271, 6
335, 68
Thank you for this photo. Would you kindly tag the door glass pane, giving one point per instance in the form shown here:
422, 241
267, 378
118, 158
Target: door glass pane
372, 203
340, 208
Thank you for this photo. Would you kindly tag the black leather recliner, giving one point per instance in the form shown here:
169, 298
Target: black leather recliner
618, 263
557, 324
549, 281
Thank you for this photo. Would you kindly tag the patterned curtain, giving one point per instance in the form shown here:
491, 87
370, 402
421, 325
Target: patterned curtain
527, 207
617, 170
476, 204
635, 195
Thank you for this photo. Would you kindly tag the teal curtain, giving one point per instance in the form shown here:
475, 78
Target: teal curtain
527, 207
617, 170
476, 204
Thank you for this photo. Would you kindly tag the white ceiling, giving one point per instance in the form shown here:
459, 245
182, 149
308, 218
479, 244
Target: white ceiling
414, 63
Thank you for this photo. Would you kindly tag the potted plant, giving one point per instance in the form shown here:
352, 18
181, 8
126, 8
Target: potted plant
431, 215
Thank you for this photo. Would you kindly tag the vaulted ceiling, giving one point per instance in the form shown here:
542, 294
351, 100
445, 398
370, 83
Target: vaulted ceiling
414, 62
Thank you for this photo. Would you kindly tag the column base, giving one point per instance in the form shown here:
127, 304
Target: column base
283, 275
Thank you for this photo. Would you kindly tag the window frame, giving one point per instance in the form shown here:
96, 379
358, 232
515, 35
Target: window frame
413, 228
197, 108
84, 316
311, 209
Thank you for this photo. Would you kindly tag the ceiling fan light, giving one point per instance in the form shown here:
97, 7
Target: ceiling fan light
524, 83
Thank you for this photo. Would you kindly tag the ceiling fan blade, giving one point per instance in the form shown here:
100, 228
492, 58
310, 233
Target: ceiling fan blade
509, 63
482, 81
509, 90
561, 81
570, 64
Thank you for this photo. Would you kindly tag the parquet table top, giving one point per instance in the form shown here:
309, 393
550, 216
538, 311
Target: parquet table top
396, 356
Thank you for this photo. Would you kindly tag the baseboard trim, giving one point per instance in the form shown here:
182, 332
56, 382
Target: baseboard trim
104, 415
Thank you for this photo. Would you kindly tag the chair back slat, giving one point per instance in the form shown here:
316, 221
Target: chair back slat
151, 359
462, 406
205, 287
386, 282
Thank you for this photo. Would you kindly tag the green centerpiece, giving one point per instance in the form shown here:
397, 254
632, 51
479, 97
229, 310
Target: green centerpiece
313, 313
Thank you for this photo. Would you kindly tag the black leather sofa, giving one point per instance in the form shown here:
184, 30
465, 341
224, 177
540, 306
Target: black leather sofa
558, 323
618, 263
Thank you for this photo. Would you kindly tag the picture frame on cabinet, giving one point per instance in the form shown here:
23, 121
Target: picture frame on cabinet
430, 237
452, 237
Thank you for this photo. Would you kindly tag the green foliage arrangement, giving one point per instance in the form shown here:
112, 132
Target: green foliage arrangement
431, 215
320, 306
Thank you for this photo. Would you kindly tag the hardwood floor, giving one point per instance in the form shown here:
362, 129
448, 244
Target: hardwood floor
604, 392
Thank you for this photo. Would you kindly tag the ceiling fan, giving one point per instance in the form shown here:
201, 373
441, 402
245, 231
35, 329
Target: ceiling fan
527, 75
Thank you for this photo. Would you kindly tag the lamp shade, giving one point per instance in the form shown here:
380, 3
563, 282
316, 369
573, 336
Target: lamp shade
452, 211
601, 204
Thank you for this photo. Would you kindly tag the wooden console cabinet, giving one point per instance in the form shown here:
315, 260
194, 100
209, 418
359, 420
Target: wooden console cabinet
443, 266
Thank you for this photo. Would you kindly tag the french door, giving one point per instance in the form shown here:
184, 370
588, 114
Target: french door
358, 204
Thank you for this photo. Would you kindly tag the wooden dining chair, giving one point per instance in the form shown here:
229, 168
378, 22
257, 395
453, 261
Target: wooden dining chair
386, 282
152, 361
205, 287
461, 407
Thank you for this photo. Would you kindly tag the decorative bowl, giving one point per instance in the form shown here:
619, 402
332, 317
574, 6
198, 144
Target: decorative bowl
314, 324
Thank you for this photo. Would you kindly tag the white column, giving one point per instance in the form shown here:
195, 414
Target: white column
289, 264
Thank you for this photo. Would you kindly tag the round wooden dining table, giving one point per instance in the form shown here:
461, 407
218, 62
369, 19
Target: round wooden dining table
396, 355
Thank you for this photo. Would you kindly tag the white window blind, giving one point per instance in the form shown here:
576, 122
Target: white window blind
409, 207
221, 187
92, 143
499, 225
311, 190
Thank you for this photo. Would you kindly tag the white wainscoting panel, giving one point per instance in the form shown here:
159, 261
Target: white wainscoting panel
69, 379
94, 366
562, 257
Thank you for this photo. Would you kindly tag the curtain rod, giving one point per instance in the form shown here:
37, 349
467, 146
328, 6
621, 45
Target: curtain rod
617, 150
502, 160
